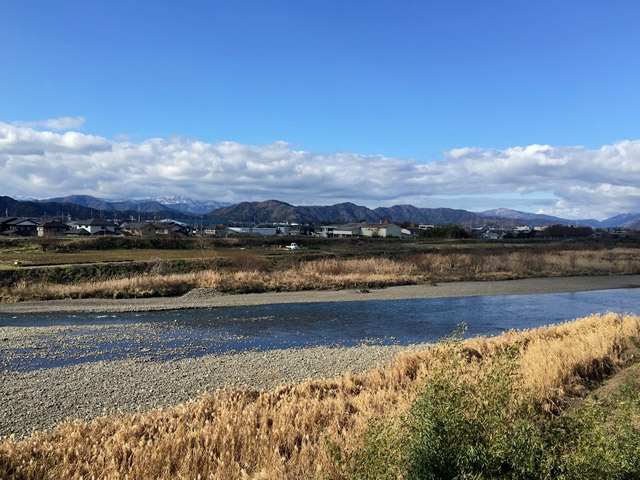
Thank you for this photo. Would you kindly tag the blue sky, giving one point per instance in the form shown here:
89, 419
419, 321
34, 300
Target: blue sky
401, 80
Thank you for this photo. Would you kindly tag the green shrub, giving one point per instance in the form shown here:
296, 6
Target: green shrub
473, 428
600, 439
470, 423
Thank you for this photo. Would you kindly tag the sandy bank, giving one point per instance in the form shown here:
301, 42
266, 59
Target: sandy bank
203, 298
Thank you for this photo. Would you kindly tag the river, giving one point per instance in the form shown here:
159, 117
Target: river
65, 339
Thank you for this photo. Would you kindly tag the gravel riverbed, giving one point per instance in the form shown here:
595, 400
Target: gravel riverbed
42, 398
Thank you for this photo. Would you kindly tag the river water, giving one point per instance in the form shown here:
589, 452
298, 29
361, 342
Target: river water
77, 338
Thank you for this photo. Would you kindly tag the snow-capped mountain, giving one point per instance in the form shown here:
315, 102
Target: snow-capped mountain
144, 204
182, 204
517, 215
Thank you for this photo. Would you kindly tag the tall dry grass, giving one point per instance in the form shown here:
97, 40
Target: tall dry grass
249, 275
288, 433
526, 263
321, 274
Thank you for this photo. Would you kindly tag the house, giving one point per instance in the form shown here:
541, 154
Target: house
4, 223
171, 227
150, 229
140, 229
96, 226
52, 228
22, 226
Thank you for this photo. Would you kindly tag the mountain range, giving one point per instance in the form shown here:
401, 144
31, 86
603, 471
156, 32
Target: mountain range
39, 208
143, 204
278, 211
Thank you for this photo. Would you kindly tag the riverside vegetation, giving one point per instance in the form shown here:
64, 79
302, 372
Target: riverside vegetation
515, 406
129, 268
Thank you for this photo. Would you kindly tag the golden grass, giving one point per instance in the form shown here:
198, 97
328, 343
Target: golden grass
322, 274
250, 274
285, 433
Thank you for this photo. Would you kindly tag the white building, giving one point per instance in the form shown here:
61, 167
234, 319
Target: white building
95, 225
381, 230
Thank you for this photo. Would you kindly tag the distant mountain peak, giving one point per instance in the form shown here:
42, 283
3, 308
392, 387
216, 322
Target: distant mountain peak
176, 203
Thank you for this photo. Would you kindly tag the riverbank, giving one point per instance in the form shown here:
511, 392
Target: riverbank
209, 298
297, 430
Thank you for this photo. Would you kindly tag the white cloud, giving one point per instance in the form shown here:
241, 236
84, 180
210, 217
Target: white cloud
56, 124
567, 181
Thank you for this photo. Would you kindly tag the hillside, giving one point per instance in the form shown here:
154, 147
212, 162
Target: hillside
277, 211
109, 206
143, 204
18, 208
409, 213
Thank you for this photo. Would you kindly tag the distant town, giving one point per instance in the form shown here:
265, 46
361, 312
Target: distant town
68, 226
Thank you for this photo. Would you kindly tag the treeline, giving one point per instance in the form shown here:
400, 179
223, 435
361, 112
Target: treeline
564, 231
444, 231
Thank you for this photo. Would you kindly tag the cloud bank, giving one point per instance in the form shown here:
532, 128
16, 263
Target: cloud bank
573, 182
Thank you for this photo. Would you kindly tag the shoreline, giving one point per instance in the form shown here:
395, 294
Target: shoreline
209, 298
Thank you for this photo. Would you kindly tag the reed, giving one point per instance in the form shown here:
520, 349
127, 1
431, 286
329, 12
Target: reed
250, 274
294, 431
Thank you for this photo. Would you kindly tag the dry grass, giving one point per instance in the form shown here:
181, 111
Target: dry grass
527, 263
285, 433
247, 272
321, 274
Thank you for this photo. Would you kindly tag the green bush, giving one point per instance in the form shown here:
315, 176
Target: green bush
600, 439
470, 424
473, 428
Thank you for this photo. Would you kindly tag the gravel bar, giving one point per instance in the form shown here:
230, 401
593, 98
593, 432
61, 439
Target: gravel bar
41, 399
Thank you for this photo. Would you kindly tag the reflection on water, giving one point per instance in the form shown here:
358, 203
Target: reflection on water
191, 333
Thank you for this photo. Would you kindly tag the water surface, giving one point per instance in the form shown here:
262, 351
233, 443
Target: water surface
191, 333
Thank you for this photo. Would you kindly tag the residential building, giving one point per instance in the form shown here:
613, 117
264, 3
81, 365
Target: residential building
4, 223
96, 226
53, 227
22, 226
